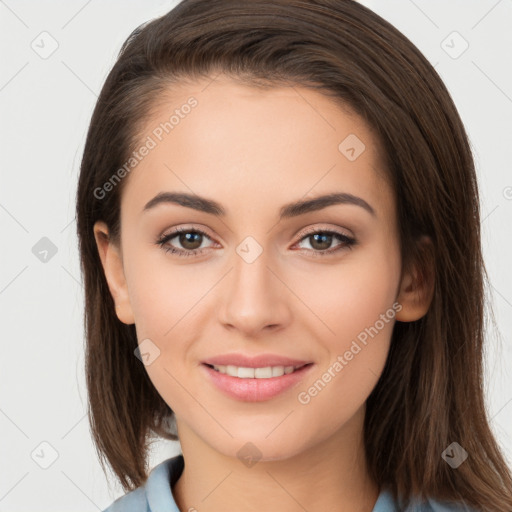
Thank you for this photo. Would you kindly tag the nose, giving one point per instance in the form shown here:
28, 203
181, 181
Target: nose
254, 298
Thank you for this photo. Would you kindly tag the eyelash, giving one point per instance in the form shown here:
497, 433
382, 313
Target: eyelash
348, 242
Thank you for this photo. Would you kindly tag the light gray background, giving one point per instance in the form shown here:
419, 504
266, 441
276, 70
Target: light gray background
46, 104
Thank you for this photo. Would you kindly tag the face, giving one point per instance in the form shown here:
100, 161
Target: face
251, 285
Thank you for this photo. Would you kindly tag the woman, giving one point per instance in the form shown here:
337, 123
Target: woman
279, 232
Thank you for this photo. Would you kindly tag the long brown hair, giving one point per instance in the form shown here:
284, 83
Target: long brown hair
431, 391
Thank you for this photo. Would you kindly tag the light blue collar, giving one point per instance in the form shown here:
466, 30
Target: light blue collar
158, 488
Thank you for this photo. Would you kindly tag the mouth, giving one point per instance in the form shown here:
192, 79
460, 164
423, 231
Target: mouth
254, 384
264, 372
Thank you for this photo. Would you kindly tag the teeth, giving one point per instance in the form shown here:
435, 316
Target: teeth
255, 373
277, 371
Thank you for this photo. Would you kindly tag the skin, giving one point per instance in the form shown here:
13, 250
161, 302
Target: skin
254, 150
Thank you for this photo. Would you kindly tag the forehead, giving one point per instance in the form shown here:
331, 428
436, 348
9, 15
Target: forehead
245, 144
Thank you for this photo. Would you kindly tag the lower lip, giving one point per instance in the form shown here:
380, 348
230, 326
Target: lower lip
255, 390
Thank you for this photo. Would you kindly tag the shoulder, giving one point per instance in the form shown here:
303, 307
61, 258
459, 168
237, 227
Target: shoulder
442, 506
156, 493
386, 503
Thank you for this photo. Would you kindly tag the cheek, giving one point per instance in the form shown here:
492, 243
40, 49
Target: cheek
350, 296
162, 298
162, 301
363, 323
162, 293
357, 304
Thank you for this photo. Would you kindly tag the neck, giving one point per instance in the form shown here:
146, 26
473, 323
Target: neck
330, 475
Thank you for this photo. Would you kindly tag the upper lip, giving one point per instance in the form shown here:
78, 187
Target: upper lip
259, 361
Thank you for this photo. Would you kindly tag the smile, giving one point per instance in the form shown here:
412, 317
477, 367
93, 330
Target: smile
266, 372
248, 384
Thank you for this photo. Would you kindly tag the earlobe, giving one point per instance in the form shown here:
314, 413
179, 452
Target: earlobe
417, 286
111, 259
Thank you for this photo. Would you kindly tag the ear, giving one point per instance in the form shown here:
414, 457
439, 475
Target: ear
111, 259
417, 285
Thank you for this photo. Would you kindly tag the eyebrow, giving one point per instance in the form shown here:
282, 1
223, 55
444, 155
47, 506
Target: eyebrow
294, 209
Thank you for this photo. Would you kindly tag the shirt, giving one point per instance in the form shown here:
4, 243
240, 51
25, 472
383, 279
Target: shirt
156, 495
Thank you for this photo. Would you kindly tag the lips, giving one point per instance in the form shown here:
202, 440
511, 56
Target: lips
248, 379
258, 361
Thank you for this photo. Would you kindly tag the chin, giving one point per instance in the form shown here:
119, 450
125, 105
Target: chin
263, 449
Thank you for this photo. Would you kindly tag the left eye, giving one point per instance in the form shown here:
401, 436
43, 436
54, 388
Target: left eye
191, 241
322, 241
188, 238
